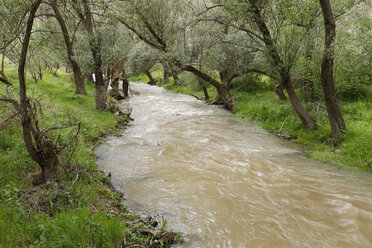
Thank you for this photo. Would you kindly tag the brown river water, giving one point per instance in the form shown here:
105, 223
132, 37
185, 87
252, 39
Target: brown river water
224, 182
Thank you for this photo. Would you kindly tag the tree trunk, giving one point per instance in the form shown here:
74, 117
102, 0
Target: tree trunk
44, 152
225, 95
3, 61
96, 49
206, 95
335, 117
282, 68
125, 87
166, 73
280, 93
176, 78
302, 113
101, 89
152, 81
226, 78
78, 75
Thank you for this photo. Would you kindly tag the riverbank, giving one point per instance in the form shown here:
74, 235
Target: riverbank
258, 103
81, 208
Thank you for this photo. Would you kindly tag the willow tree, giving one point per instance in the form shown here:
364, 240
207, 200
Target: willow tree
335, 117
86, 14
42, 149
163, 25
273, 25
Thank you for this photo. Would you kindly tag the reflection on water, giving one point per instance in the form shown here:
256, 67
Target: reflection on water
226, 183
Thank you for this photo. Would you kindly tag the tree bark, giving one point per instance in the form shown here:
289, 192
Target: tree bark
78, 75
206, 95
125, 87
225, 95
152, 80
166, 73
302, 113
335, 117
226, 78
3, 60
281, 67
280, 93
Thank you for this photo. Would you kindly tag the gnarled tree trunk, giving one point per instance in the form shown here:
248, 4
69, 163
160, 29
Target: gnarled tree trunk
43, 152
335, 117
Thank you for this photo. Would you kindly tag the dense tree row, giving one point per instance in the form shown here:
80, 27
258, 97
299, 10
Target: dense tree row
301, 46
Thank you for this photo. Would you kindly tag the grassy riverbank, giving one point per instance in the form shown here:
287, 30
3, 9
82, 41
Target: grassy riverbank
257, 102
81, 209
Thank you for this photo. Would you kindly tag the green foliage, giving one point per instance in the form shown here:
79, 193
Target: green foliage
353, 148
60, 215
77, 228
252, 82
351, 91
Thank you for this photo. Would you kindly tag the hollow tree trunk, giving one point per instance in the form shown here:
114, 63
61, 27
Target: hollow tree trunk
225, 95
152, 81
78, 75
280, 93
335, 117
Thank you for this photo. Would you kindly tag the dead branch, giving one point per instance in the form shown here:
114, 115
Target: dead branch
44, 132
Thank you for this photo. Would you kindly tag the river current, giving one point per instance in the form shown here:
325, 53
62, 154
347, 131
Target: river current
224, 182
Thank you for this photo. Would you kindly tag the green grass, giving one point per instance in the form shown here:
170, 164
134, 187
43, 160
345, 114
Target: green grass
351, 151
257, 102
60, 214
